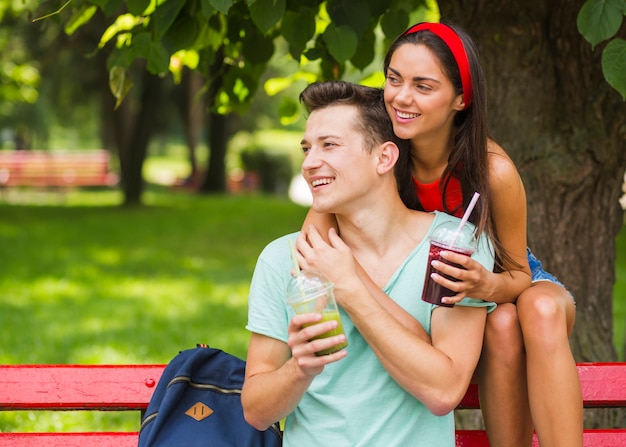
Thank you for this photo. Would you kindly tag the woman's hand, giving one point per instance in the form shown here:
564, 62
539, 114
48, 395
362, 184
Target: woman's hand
333, 259
472, 278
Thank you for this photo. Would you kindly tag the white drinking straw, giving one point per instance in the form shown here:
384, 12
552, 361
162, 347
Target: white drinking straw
294, 258
466, 216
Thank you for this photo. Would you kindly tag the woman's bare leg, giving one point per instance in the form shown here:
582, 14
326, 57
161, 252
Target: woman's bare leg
546, 313
502, 381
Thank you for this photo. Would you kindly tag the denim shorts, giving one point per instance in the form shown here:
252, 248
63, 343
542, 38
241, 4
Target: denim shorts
539, 274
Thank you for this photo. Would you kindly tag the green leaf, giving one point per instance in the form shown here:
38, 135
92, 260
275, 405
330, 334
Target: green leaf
614, 65
221, 5
165, 14
288, 111
79, 18
141, 41
108, 7
353, 13
210, 37
298, 28
182, 34
120, 57
267, 13
394, 22
599, 20
207, 8
257, 48
341, 41
158, 58
273, 86
365, 51
137, 7
378, 7
314, 53
119, 84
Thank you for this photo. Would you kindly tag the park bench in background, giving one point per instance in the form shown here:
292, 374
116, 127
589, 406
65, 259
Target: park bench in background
56, 169
129, 388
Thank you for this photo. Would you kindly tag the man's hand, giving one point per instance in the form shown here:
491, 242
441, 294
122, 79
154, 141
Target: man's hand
302, 329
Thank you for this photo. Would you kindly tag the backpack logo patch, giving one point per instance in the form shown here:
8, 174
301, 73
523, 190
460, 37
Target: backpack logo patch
199, 411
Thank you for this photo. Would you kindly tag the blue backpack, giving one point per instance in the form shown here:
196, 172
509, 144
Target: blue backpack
197, 402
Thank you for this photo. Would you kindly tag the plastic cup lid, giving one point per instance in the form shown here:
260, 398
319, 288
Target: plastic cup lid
447, 233
307, 285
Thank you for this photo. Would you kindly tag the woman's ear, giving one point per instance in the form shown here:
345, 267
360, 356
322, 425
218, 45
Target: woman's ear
459, 103
388, 154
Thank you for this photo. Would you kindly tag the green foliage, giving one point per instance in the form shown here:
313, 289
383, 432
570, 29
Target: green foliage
19, 74
242, 33
614, 65
394, 21
341, 41
600, 20
298, 27
137, 7
274, 169
221, 5
266, 13
79, 18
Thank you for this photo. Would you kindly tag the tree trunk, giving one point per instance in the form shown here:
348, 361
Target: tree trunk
215, 178
133, 124
565, 128
192, 114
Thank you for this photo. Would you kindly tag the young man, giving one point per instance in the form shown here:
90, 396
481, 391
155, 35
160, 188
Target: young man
392, 385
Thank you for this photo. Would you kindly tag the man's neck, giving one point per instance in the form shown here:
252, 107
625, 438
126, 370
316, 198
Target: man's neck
382, 235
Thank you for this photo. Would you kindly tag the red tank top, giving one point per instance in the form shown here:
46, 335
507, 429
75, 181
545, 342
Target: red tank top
431, 197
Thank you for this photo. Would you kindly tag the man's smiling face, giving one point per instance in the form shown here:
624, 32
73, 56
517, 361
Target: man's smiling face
338, 167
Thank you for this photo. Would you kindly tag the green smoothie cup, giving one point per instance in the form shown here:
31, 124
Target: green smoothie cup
311, 292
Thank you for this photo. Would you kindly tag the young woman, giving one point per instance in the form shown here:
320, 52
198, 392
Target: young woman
435, 97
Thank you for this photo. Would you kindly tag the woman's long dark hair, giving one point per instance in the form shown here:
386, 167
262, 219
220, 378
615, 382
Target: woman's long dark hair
468, 161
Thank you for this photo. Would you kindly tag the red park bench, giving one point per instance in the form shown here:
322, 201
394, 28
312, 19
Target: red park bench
58, 169
129, 388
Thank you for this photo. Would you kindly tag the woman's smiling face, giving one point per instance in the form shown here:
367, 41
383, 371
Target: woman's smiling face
420, 99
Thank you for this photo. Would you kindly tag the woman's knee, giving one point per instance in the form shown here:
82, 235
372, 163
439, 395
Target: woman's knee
542, 305
545, 310
503, 328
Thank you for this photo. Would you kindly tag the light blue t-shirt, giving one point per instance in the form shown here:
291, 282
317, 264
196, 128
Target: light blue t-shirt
355, 402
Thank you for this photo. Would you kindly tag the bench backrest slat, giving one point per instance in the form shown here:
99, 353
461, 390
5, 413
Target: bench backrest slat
120, 439
56, 168
77, 387
602, 387
128, 387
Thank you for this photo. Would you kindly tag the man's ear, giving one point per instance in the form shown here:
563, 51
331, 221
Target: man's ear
388, 154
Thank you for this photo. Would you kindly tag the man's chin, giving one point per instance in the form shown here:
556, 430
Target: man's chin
321, 208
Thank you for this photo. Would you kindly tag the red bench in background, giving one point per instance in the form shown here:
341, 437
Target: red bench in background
129, 388
56, 168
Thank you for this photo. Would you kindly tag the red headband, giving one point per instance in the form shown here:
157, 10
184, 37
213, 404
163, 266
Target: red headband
453, 41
